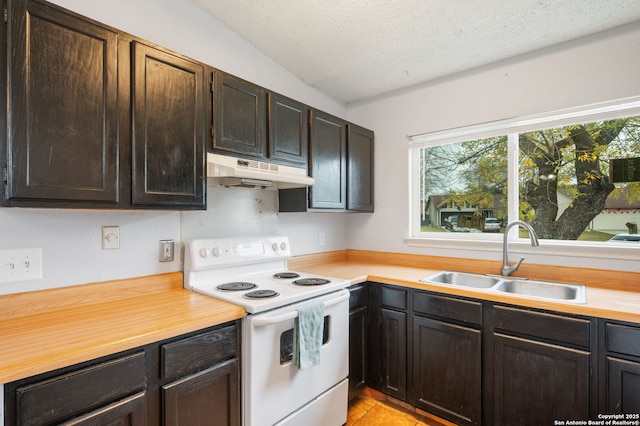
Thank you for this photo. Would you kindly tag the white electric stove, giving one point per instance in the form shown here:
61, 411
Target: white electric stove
252, 272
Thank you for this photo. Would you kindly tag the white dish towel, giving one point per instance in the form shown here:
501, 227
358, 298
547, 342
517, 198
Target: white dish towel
308, 329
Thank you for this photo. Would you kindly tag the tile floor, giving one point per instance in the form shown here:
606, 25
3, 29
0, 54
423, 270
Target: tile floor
371, 408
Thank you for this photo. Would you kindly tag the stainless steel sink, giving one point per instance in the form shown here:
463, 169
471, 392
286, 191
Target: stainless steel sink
545, 290
462, 279
522, 287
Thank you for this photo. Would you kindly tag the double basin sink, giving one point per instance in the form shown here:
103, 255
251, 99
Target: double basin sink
545, 290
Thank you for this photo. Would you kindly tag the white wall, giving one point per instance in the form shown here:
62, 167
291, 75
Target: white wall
71, 239
595, 69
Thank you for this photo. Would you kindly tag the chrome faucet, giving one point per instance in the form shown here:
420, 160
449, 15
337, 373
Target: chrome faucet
506, 268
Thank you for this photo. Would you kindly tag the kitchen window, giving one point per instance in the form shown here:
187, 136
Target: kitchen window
573, 175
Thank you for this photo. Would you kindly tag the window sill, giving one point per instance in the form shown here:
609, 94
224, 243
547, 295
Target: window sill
550, 252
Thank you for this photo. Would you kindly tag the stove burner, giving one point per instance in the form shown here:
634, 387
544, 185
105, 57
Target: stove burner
236, 286
311, 281
286, 275
261, 294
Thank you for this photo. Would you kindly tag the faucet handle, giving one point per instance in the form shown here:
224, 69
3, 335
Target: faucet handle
510, 269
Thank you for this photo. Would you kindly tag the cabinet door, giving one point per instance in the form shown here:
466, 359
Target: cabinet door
537, 383
394, 353
447, 370
239, 116
168, 135
62, 109
128, 412
357, 349
208, 398
328, 162
359, 169
623, 382
288, 130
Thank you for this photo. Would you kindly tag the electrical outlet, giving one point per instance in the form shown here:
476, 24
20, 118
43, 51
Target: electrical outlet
110, 237
166, 250
321, 238
20, 265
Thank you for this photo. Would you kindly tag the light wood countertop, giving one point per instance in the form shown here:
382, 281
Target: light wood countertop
45, 330
610, 294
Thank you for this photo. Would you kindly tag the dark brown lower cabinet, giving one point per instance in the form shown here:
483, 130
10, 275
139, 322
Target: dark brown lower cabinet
190, 380
206, 398
394, 355
447, 371
357, 339
621, 368
537, 383
623, 385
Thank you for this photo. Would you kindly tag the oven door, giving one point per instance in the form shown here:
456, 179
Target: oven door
274, 389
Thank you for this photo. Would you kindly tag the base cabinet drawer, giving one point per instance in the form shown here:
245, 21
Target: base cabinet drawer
75, 393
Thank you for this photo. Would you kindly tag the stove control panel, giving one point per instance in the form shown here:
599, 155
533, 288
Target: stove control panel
220, 252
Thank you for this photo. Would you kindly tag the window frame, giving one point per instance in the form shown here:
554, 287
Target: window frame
483, 242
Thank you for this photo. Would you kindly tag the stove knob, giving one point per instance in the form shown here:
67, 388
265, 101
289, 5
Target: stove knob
204, 252
283, 246
274, 246
215, 251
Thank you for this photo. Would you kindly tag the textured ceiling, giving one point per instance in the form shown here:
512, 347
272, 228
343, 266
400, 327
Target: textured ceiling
356, 49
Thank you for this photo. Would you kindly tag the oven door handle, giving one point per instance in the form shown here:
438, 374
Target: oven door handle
259, 322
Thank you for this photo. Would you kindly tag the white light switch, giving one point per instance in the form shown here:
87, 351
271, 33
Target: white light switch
20, 265
110, 237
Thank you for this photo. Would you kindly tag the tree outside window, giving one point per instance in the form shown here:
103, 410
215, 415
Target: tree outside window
565, 189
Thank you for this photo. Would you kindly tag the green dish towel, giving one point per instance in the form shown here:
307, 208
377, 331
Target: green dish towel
308, 329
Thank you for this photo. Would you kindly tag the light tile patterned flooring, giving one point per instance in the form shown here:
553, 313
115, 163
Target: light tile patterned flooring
371, 408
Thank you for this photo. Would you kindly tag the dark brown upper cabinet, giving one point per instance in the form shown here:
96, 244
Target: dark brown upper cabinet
239, 116
94, 118
62, 128
288, 130
341, 162
168, 129
359, 169
328, 161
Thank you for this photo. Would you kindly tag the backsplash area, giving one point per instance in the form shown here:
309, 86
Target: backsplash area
233, 211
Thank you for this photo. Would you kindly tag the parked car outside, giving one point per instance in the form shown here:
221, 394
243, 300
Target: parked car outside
626, 238
491, 224
451, 224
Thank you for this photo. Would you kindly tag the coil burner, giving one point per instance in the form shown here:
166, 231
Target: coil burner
286, 275
236, 286
261, 294
311, 281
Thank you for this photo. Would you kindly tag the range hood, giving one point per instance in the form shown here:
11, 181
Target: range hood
233, 171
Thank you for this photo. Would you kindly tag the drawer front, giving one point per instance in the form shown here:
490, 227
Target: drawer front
358, 296
76, 392
562, 329
623, 339
394, 297
195, 353
448, 307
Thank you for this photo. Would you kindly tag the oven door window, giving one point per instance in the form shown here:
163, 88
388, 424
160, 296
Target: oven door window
286, 342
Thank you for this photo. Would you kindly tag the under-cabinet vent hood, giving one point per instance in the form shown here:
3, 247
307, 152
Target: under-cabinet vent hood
233, 171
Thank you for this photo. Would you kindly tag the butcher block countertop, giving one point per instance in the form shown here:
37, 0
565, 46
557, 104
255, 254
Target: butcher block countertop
45, 330
610, 294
